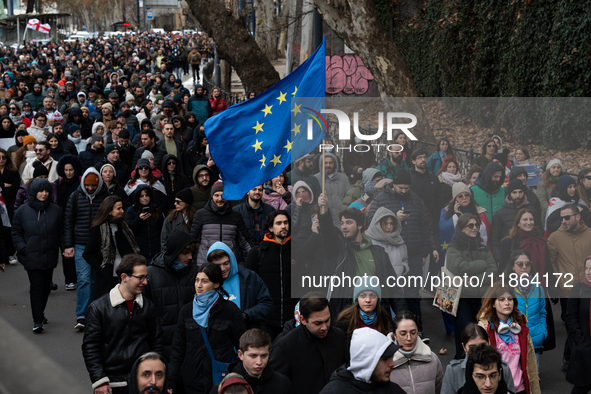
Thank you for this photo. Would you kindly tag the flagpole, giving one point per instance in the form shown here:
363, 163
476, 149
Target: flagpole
25, 35
323, 208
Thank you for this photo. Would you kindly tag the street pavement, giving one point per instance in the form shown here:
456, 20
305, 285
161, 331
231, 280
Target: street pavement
63, 344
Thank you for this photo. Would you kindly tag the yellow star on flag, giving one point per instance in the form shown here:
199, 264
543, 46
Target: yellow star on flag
267, 110
295, 91
281, 97
263, 161
257, 145
276, 160
288, 146
296, 109
296, 128
444, 245
258, 127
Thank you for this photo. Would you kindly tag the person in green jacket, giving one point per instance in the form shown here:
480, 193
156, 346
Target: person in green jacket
369, 175
488, 191
391, 164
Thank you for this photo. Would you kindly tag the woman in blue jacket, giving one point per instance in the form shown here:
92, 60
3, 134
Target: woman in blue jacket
444, 149
531, 298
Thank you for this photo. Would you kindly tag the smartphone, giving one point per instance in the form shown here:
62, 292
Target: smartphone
146, 210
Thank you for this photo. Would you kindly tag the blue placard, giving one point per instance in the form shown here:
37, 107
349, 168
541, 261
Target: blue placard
149, 14
534, 173
83, 27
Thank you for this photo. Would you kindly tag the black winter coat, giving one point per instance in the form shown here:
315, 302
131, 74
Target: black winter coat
270, 382
122, 172
579, 332
66, 187
342, 381
9, 193
255, 297
80, 213
416, 230
147, 232
501, 225
112, 341
37, 231
247, 213
272, 262
224, 225
427, 186
171, 289
189, 357
175, 185
156, 151
91, 157
307, 360
117, 190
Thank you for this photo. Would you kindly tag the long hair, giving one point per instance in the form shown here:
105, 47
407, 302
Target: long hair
189, 211
580, 188
151, 178
9, 163
20, 156
104, 210
488, 312
514, 256
524, 150
154, 211
546, 181
449, 151
285, 179
472, 208
214, 273
473, 331
473, 169
486, 142
350, 317
515, 229
449, 159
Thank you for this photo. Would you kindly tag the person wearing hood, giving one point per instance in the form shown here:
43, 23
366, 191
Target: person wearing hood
81, 210
112, 157
69, 169
7, 128
336, 184
466, 254
94, 152
75, 137
192, 122
565, 192
173, 179
57, 148
110, 239
245, 288
76, 117
144, 176
181, 218
35, 97
209, 319
199, 104
15, 114
203, 178
39, 128
520, 173
217, 221
198, 149
355, 193
504, 217
126, 147
19, 137
416, 368
487, 191
370, 367
384, 230
148, 374
37, 233
485, 372
277, 192
310, 353
84, 102
22, 195
253, 366
145, 220
59, 131
182, 132
172, 282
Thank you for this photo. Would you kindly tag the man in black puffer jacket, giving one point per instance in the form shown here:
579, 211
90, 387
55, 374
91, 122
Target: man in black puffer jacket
218, 222
172, 282
504, 217
121, 326
416, 229
80, 212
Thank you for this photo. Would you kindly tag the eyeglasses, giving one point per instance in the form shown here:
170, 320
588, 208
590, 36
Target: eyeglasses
566, 217
170, 163
12, 108
40, 150
588, 178
203, 176
42, 119
491, 146
472, 226
482, 377
143, 168
522, 263
177, 202
464, 195
142, 278
2, 157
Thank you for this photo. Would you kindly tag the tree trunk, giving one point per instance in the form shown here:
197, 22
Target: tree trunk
226, 76
235, 45
266, 32
356, 22
30, 6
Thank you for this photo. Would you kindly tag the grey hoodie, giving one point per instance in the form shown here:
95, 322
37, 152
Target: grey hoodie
91, 170
392, 243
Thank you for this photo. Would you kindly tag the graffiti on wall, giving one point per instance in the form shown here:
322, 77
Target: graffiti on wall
346, 74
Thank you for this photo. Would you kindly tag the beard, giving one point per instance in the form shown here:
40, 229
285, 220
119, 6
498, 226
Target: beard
518, 201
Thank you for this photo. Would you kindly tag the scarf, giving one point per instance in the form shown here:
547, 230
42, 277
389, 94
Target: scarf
177, 265
368, 320
535, 244
508, 336
202, 304
524, 290
554, 180
450, 178
408, 354
108, 246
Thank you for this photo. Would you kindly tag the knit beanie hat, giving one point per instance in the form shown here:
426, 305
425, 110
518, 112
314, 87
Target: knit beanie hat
459, 187
96, 137
109, 165
28, 139
40, 169
185, 195
552, 162
91, 179
564, 181
143, 163
402, 177
502, 158
129, 96
147, 154
217, 187
366, 285
515, 184
110, 148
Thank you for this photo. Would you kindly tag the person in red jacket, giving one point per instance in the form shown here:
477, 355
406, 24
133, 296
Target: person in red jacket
218, 104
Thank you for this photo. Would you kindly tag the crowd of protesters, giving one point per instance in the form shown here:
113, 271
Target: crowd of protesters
178, 289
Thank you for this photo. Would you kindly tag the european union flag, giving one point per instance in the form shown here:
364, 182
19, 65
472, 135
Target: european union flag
254, 141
